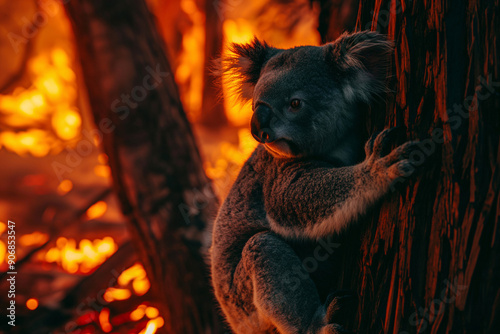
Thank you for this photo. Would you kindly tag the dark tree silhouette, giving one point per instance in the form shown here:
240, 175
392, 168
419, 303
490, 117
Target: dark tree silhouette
156, 167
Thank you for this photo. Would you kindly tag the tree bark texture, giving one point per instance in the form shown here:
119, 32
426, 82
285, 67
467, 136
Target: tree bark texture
156, 167
428, 260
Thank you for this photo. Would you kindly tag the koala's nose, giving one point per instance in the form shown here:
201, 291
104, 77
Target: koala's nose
261, 124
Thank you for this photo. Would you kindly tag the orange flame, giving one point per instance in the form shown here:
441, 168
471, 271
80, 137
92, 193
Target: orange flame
88, 256
48, 102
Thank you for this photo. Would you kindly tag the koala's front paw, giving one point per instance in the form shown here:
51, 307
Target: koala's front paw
388, 168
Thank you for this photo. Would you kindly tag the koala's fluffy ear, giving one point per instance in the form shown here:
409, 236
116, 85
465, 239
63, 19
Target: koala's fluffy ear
244, 64
361, 60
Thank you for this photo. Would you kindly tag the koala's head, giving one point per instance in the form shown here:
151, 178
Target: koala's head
305, 100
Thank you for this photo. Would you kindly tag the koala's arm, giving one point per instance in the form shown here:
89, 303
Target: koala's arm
310, 199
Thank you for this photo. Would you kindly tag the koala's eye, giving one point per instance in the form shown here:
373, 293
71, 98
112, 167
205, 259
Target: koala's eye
295, 103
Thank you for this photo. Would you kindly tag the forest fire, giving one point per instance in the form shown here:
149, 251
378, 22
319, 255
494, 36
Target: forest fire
84, 258
44, 116
108, 229
46, 109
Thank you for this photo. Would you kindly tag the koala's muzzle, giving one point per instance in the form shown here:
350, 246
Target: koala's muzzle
261, 124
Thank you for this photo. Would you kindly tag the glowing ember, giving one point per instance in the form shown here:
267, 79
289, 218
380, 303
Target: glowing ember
88, 256
112, 294
137, 275
138, 313
136, 271
33, 239
64, 187
3, 252
32, 304
152, 326
102, 171
104, 320
66, 123
141, 286
97, 210
46, 108
152, 312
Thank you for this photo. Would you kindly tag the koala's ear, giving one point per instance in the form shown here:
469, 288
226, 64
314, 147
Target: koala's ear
244, 63
361, 60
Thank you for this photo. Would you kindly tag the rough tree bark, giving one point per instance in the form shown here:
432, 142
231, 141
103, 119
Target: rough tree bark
156, 168
428, 260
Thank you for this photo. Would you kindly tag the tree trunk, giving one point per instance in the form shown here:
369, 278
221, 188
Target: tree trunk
335, 17
212, 111
428, 260
156, 167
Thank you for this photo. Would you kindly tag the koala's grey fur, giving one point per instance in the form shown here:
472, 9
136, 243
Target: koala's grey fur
302, 183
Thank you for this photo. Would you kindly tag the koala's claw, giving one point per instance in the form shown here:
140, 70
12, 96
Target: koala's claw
369, 144
400, 153
383, 140
390, 166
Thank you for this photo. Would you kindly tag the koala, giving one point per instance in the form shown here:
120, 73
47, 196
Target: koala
308, 178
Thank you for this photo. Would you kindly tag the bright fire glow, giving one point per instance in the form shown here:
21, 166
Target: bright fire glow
136, 271
116, 294
236, 31
230, 158
104, 320
88, 256
153, 326
137, 275
46, 108
189, 73
64, 187
97, 210
152, 312
102, 171
138, 313
3, 252
239, 28
33, 239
